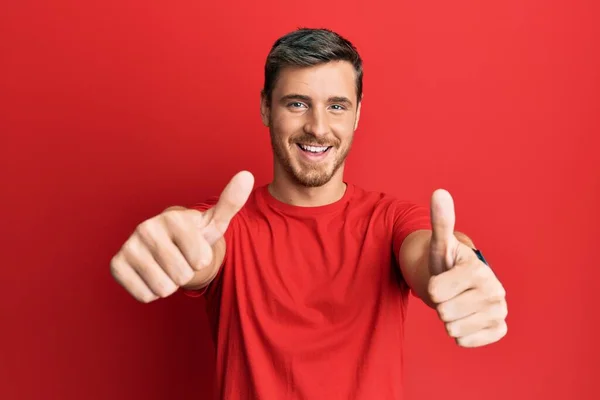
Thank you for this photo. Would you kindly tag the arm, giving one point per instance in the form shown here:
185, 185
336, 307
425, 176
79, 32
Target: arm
181, 247
414, 261
443, 270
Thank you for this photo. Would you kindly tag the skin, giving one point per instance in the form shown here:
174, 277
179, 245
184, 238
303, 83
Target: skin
318, 106
313, 106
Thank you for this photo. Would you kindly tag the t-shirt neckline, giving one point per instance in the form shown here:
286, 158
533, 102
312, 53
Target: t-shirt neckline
300, 210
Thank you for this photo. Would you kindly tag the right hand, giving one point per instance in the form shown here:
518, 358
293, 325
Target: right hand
165, 252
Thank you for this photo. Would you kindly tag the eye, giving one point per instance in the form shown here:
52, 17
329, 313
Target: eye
338, 107
296, 104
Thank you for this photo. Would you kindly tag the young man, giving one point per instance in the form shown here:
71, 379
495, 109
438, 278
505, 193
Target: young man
307, 278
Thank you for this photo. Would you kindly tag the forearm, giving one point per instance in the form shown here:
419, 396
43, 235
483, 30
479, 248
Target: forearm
414, 261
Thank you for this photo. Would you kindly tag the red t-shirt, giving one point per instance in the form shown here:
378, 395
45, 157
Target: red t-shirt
310, 302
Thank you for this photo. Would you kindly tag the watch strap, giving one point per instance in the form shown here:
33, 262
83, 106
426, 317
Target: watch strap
481, 257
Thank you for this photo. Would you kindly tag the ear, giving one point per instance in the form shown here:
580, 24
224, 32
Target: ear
265, 109
357, 114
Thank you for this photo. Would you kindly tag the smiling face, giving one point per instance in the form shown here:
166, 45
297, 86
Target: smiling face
312, 116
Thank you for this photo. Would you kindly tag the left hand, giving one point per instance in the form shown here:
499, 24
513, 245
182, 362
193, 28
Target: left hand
469, 299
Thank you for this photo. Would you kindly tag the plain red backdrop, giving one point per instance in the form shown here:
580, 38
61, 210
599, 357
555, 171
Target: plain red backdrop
111, 111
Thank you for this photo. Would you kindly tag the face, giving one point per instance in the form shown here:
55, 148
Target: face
312, 118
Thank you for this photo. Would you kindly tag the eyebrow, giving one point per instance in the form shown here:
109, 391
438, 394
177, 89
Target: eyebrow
302, 97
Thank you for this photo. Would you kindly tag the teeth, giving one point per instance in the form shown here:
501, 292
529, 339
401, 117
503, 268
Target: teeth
314, 149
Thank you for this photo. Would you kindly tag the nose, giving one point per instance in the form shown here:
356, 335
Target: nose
317, 123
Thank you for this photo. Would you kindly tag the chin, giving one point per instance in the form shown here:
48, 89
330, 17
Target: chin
303, 173
312, 178
312, 181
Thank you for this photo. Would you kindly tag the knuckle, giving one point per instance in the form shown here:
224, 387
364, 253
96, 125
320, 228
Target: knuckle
173, 217
498, 290
145, 230
503, 311
502, 330
481, 272
501, 292
130, 247
444, 312
453, 330
193, 213
115, 264
433, 289
497, 294
194, 218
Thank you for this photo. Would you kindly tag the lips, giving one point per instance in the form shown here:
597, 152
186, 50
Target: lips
315, 149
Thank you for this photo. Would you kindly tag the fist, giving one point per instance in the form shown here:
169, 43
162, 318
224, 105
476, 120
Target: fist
469, 298
166, 251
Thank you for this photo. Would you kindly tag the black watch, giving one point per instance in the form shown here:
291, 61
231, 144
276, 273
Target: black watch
481, 257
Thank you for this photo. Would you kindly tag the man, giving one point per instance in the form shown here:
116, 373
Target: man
307, 278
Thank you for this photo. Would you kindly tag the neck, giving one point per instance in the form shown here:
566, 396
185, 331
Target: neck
286, 190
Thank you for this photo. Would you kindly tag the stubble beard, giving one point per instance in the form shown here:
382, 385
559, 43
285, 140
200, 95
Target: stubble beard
308, 175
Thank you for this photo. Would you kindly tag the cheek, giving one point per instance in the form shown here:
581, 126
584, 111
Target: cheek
285, 126
343, 129
344, 122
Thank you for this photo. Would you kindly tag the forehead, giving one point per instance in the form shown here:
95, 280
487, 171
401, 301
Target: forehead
322, 81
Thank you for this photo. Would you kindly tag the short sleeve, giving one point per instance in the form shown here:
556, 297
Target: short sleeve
408, 218
209, 203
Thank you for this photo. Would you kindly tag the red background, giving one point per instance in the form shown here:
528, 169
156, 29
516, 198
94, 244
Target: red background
111, 111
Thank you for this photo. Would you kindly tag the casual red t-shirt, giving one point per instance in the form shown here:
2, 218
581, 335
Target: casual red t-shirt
310, 302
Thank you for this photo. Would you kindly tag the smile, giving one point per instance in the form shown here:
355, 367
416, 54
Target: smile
313, 149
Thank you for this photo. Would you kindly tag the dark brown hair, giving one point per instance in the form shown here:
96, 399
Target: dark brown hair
308, 47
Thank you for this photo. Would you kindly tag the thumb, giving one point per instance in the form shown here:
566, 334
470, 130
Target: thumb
443, 241
232, 199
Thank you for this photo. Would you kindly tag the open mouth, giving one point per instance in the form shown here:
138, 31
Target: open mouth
316, 150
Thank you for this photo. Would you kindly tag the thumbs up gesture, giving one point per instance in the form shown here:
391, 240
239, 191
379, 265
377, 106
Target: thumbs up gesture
169, 250
469, 299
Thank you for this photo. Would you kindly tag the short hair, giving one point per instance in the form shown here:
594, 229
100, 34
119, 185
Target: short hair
306, 47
